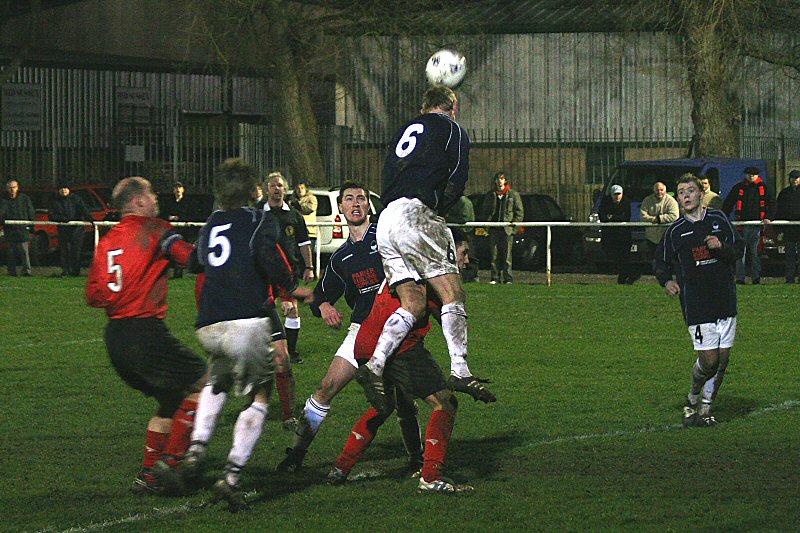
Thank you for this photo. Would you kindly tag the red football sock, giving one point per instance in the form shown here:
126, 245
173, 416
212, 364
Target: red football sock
285, 383
359, 440
153, 448
181, 434
437, 437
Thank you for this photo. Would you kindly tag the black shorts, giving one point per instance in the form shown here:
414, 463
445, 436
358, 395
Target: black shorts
148, 358
278, 331
415, 372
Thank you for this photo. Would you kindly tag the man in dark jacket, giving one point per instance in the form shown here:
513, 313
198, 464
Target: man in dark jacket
176, 209
17, 206
501, 204
789, 209
66, 207
750, 199
617, 240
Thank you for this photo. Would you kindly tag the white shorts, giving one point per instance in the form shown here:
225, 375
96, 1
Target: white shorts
714, 335
240, 353
347, 350
414, 243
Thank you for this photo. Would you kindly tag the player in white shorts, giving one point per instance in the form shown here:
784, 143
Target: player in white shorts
241, 264
700, 249
423, 177
354, 271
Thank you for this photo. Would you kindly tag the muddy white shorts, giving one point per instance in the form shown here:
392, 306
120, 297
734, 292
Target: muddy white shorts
415, 244
240, 354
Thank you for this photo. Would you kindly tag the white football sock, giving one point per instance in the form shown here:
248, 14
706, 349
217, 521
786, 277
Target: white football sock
246, 433
394, 332
292, 323
454, 328
208, 409
711, 388
314, 415
700, 375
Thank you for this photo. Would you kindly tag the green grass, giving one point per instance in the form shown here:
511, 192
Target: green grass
584, 436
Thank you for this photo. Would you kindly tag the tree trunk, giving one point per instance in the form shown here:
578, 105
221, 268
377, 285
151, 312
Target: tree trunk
715, 112
295, 118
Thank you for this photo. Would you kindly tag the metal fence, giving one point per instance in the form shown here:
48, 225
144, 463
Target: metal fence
568, 165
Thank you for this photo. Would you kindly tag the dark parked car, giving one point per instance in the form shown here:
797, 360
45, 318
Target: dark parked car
529, 248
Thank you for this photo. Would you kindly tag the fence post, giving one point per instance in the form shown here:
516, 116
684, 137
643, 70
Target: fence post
549, 263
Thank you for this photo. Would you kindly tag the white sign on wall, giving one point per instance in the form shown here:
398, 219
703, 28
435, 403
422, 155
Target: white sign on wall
132, 96
134, 153
21, 107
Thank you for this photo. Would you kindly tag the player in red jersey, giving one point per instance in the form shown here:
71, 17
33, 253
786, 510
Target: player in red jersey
411, 372
128, 278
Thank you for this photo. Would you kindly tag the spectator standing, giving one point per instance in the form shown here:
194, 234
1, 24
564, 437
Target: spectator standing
750, 199
616, 241
66, 207
257, 197
711, 199
658, 208
17, 206
789, 209
177, 210
304, 201
501, 204
462, 212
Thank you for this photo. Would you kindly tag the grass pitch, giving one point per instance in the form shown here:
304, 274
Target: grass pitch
585, 435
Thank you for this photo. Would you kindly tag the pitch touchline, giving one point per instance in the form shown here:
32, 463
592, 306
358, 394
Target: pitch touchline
790, 404
158, 512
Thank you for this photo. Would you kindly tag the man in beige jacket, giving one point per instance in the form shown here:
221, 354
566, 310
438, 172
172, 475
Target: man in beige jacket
660, 209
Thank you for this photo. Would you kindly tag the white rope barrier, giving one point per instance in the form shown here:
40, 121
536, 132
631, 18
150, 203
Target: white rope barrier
549, 225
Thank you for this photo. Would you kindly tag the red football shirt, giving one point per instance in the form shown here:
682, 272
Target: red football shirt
128, 276
385, 304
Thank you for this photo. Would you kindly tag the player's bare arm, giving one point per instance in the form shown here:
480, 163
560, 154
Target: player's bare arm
308, 273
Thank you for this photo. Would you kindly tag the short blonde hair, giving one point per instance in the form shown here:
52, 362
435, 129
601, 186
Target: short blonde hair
439, 97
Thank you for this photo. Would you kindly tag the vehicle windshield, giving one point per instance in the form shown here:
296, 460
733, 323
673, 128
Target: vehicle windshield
638, 180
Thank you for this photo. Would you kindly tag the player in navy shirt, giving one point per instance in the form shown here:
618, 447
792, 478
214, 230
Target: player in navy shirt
700, 250
355, 271
424, 175
238, 249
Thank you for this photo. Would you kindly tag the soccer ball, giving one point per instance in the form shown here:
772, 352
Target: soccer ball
446, 67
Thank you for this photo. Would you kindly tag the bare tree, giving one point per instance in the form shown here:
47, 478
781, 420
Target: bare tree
716, 36
295, 44
24, 49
